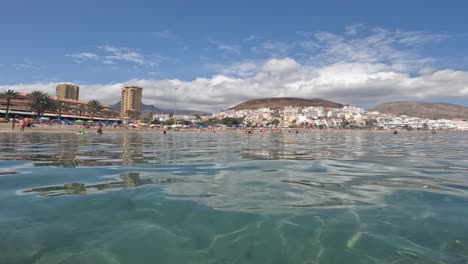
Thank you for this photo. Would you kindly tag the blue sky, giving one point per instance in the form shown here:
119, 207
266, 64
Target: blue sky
358, 52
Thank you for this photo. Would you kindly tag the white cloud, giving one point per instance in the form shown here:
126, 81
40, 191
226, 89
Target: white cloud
226, 48
360, 67
251, 38
241, 69
281, 66
353, 29
397, 48
113, 55
85, 56
354, 83
276, 48
128, 55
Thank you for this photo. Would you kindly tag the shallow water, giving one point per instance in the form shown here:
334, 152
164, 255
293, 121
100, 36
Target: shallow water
234, 198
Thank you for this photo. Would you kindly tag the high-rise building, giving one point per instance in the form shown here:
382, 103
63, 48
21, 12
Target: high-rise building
67, 91
130, 99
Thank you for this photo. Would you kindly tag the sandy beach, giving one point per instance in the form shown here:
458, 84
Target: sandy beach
40, 128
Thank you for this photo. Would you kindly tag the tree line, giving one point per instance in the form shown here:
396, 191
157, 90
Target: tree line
40, 102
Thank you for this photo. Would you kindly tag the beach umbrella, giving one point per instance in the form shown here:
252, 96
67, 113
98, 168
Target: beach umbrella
79, 121
44, 118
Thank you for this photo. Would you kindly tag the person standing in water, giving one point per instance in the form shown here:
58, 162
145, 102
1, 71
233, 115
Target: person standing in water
12, 123
99, 130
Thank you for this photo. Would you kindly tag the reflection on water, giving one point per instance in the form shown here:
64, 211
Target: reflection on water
234, 198
128, 180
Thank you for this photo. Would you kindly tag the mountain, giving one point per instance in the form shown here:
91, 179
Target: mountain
151, 108
281, 102
424, 110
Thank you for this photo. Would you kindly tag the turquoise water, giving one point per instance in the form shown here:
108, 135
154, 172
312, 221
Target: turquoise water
234, 198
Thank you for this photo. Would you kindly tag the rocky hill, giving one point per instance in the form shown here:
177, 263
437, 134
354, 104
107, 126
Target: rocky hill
424, 110
281, 102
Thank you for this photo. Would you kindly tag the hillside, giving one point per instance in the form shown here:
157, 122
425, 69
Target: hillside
281, 102
151, 108
424, 110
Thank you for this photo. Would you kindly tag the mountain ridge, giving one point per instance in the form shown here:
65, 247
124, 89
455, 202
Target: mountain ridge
423, 109
281, 102
146, 108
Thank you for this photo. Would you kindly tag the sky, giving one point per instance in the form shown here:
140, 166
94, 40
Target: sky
211, 55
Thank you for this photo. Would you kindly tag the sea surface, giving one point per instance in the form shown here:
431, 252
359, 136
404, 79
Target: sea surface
321, 197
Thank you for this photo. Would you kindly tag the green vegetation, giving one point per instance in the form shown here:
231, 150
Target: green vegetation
8, 95
81, 110
40, 102
210, 122
94, 107
231, 121
61, 106
133, 115
107, 113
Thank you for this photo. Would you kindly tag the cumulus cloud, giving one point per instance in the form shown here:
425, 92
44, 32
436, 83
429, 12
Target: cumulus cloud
353, 83
359, 67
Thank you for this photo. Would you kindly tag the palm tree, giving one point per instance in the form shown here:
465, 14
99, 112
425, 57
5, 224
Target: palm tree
61, 106
150, 117
94, 107
129, 112
8, 95
81, 110
136, 115
107, 113
132, 114
40, 102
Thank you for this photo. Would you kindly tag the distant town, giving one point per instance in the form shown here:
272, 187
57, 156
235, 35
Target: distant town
65, 107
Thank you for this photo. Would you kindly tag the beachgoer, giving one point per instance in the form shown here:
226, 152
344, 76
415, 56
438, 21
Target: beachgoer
22, 124
99, 130
12, 123
433, 131
164, 132
82, 132
395, 132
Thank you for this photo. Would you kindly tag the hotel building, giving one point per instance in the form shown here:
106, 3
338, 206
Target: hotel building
19, 106
67, 91
130, 99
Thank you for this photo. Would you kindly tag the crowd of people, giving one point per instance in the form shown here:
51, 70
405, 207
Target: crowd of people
22, 123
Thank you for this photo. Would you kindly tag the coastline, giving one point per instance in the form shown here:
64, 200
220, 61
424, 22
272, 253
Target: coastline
5, 128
